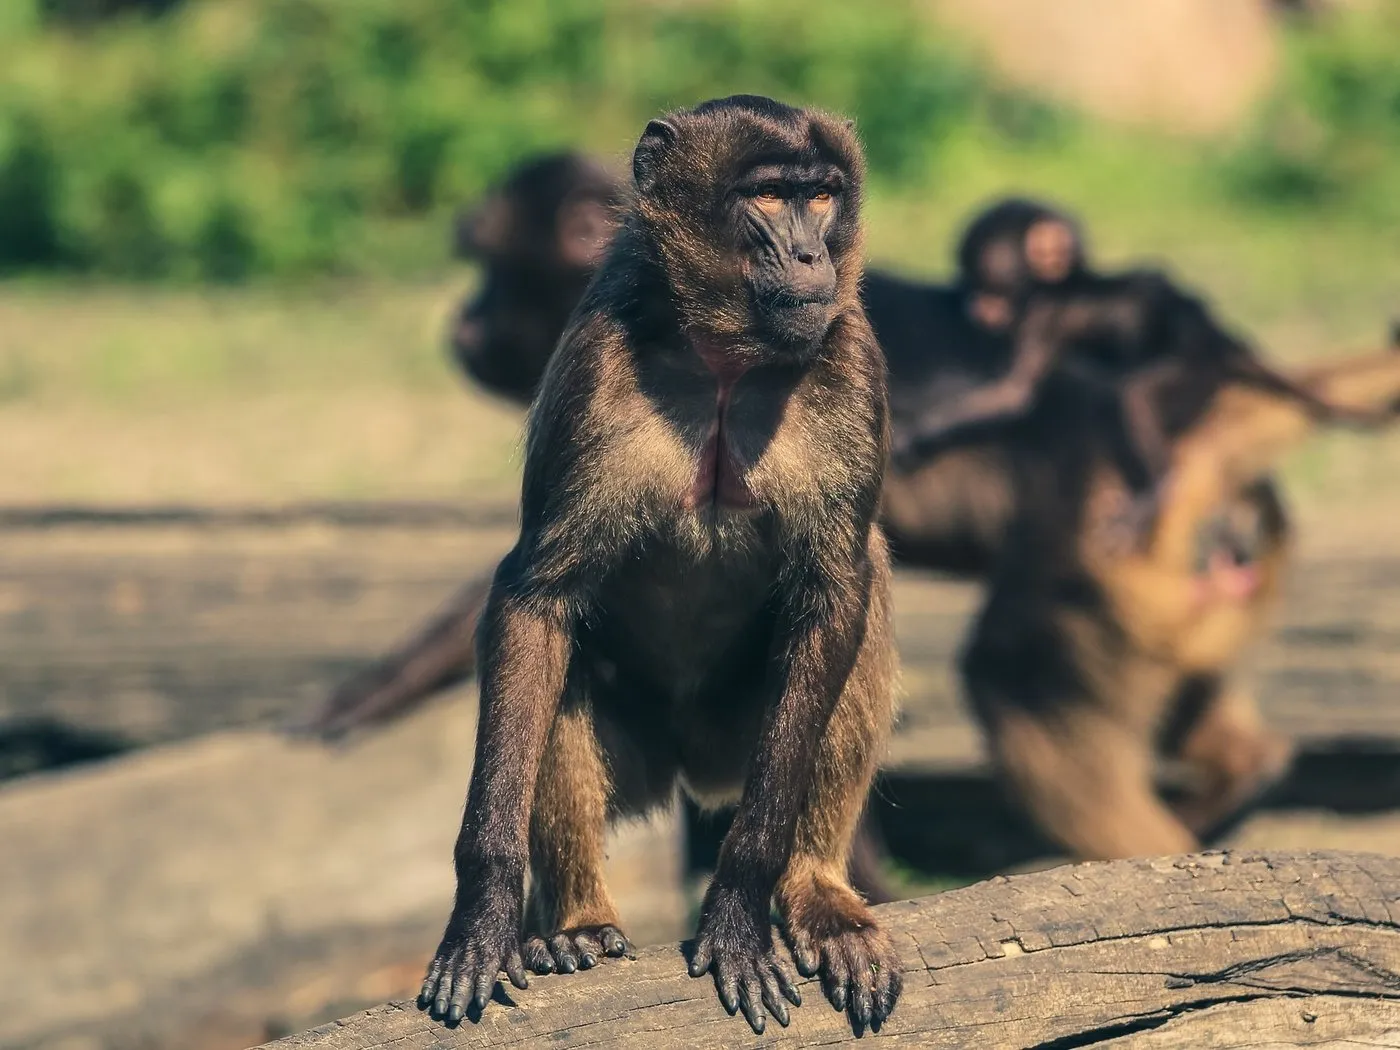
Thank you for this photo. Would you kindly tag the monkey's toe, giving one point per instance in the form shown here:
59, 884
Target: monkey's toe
859, 971
580, 948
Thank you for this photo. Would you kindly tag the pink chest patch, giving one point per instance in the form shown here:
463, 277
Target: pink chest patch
719, 479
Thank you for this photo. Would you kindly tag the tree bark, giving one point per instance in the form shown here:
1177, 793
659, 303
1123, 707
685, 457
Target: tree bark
1210, 950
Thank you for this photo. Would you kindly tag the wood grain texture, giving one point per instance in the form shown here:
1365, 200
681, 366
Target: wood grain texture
1229, 949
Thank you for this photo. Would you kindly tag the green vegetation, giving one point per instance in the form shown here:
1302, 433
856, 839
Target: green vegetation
229, 138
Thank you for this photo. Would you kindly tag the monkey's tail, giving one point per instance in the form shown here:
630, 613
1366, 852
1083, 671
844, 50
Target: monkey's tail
438, 657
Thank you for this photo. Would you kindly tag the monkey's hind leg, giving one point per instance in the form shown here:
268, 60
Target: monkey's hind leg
573, 919
832, 931
1086, 779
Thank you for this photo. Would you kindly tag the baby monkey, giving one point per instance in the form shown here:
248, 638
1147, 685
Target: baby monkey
699, 595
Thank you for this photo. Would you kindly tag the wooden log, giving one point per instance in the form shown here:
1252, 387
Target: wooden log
1228, 949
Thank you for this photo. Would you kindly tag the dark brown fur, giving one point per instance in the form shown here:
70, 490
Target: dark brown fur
699, 594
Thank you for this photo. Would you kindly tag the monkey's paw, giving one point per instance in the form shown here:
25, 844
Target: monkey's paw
578, 948
737, 946
859, 968
476, 947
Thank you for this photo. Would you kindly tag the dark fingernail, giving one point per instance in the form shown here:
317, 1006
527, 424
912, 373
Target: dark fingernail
568, 966
838, 999
454, 1014
758, 1025
587, 960
780, 1012
696, 970
440, 1007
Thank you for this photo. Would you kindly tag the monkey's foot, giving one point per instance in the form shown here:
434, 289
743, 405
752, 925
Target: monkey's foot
737, 946
578, 948
834, 934
477, 946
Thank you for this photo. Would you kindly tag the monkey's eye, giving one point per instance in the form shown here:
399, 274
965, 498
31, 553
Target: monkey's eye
769, 197
820, 201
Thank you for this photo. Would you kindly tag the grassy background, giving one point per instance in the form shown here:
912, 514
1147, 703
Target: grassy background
224, 228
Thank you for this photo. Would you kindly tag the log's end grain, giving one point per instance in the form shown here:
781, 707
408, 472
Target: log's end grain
1233, 949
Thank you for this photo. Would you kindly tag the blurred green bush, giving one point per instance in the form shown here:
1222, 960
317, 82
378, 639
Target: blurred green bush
221, 139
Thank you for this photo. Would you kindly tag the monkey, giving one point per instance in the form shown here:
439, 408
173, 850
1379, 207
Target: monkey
1140, 334
699, 594
540, 236
1086, 662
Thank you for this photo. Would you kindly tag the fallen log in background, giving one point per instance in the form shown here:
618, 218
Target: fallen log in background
1210, 950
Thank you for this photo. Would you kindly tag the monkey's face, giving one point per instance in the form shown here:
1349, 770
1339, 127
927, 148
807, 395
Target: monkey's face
1011, 250
780, 217
754, 208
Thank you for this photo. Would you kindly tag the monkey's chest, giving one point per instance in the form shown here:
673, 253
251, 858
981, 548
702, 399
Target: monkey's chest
720, 475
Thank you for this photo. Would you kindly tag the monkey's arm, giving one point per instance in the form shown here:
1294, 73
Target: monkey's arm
525, 653
942, 428
816, 648
1254, 372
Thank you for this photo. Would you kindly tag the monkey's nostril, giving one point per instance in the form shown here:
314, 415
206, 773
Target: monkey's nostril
806, 258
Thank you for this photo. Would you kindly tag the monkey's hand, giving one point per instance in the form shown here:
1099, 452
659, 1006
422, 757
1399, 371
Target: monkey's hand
834, 934
482, 939
735, 941
578, 948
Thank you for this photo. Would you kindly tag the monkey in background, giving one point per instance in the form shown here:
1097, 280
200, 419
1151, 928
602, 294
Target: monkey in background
539, 238
1086, 662
700, 592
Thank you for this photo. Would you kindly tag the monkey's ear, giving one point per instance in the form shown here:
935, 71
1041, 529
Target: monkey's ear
485, 229
659, 136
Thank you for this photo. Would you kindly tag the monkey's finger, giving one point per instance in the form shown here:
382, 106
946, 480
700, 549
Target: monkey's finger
773, 998
860, 1000
457, 1002
427, 993
728, 987
515, 970
836, 978
589, 950
615, 942
888, 984
537, 955
481, 990
565, 961
805, 955
750, 996
701, 959
786, 984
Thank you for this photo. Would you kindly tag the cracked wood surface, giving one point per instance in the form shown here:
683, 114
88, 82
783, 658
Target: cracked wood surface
1234, 949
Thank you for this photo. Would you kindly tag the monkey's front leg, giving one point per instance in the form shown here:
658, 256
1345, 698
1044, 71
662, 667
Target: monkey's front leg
735, 937
525, 654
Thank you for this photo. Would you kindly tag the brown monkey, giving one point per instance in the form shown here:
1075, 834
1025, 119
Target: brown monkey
699, 594
1086, 661
539, 237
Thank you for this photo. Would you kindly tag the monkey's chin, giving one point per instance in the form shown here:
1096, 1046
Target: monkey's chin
796, 329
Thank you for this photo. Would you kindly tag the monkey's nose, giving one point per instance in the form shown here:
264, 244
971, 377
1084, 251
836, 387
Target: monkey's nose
806, 258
